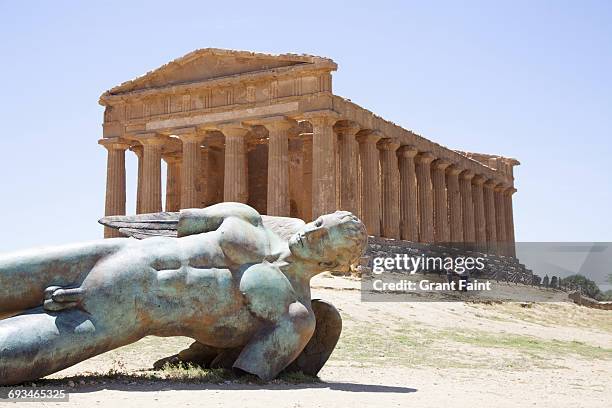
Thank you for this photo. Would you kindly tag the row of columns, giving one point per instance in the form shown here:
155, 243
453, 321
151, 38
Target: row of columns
426, 199
398, 191
185, 168
455, 205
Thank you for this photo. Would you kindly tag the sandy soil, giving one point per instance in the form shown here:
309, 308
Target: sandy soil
458, 354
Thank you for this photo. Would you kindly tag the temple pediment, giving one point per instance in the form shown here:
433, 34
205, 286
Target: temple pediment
211, 63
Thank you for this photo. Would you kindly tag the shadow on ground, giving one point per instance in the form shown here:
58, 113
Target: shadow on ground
95, 383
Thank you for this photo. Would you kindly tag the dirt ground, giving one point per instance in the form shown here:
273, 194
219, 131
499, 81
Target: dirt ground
458, 354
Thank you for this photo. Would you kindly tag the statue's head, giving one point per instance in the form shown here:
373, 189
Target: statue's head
333, 241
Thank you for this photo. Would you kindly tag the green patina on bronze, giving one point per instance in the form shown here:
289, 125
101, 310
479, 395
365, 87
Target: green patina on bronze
230, 280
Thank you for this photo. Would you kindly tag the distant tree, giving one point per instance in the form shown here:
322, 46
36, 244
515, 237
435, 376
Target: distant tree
607, 295
585, 285
554, 283
546, 281
536, 280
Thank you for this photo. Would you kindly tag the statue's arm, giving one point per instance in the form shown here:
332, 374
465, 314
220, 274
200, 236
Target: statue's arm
199, 220
275, 346
288, 324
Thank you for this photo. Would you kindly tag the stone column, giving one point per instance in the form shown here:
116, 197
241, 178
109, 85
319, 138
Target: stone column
370, 181
323, 165
278, 167
138, 151
296, 177
215, 170
191, 167
409, 221
479, 212
490, 223
307, 175
257, 173
441, 226
390, 188
151, 173
204, 178
425, 196
349, 153
510, 222
467, 206
454, 204
115, 181
173, 181
500, 218
235, 185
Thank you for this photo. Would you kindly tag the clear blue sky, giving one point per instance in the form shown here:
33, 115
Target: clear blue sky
526, 79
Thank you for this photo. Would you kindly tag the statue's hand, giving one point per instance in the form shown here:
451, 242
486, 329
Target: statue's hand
58, 298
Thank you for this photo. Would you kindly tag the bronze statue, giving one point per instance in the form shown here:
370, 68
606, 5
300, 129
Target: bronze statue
228, 280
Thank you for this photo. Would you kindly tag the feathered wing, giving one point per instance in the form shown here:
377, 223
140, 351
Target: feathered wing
143, 226
164, 224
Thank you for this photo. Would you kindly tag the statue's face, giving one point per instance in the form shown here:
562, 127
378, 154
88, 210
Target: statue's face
322, 241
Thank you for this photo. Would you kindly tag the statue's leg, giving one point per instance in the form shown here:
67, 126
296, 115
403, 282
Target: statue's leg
36, 344
24, 276
275, 346
323, 341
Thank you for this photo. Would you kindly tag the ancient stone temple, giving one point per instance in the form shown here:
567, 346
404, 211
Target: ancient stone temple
267, 130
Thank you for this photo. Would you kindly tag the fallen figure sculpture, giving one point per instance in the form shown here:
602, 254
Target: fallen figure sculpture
227, 277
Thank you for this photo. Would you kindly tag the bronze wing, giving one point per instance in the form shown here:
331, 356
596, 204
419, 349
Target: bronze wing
141, 226
164, 224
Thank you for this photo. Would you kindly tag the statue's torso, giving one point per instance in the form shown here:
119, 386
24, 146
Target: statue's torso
195, 281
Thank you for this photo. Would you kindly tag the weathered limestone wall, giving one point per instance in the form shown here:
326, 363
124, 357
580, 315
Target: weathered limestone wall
582, 300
